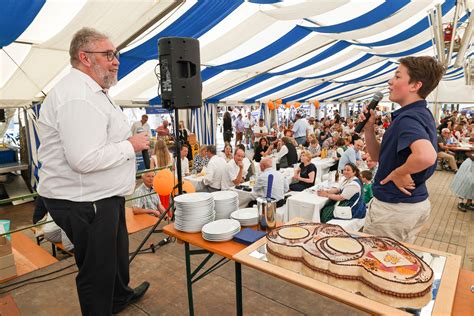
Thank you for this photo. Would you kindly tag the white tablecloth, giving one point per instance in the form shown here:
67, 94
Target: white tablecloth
306, 205
322, 166
197, 182
244, 196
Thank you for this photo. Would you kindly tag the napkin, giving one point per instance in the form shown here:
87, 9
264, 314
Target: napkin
248, 236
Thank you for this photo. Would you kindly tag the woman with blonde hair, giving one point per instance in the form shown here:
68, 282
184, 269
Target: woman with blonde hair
161, 155
161, 158
305, 173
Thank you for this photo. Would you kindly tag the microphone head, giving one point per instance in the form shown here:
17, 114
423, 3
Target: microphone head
377, 96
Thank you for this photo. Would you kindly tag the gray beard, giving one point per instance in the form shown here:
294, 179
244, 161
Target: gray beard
108, 80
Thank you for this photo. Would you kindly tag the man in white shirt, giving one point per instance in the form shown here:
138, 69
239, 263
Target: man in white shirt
143, 127
280, 184
216, 167
234, 174
300, 129
88, 167
259, 131
352, 155
184, 161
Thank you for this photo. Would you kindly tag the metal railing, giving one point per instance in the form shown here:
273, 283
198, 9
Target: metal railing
40, 223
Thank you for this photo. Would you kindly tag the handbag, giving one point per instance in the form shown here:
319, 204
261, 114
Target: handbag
344, 212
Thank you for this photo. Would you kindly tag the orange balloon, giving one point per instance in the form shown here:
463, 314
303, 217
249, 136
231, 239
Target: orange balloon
279, 101
271, 106
316, 104
297, 105
188, 187
163, 182
287, 105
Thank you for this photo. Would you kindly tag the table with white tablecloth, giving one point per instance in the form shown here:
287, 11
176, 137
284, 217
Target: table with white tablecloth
305, 204
322, 166
197, 182
246, 196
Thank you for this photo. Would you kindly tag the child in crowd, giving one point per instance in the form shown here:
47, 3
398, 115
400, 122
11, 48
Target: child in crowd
314, 148
366, 177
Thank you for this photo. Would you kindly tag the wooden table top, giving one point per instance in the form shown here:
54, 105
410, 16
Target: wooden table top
138, 222
28, 255
464, 297
225, 249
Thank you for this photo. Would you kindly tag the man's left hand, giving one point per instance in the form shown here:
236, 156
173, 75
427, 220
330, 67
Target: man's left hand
403, 182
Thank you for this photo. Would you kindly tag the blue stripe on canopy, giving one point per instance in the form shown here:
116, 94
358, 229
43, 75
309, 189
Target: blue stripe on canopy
300, 96
334, 49
209, 72
276, 89
307, 97
411, 51
453, 71
347, 67
367, 75
419, 27
294, 35
15, 17
383, 11
257, 79
155, 101
345, 93
199, 19
455, 78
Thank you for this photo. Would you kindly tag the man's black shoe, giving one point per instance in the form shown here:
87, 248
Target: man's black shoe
138, 292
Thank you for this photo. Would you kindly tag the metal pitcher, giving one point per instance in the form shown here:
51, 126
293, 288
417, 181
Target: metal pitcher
266, 214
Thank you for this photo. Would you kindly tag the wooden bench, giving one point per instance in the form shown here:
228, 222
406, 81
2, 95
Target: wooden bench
28, 255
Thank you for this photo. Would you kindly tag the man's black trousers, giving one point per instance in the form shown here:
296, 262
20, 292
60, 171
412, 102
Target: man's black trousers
99, 234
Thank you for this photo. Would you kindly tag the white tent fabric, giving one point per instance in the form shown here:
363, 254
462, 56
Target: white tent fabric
203, 121
251, 51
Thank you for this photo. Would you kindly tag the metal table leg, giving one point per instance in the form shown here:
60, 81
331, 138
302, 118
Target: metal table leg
238, 288
189, 279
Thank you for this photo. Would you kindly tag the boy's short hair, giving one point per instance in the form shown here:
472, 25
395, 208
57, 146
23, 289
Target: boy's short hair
313, 141
425, 69
366, 174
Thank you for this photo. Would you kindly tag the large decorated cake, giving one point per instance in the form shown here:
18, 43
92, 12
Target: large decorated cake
380, 268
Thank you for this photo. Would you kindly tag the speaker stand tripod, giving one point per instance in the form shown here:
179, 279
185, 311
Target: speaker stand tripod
179, 186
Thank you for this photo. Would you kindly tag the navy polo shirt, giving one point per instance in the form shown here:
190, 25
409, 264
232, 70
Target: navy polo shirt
409, 124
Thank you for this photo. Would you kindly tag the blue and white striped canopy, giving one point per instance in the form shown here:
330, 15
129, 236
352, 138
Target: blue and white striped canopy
251, 51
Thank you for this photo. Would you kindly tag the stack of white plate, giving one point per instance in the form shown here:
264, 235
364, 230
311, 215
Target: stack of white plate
246, 216
220, 230
193, 211
225, 202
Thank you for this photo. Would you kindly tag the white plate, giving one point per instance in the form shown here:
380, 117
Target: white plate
221, 236
224, 195
245, 214
218, 240
193, 197
222, 226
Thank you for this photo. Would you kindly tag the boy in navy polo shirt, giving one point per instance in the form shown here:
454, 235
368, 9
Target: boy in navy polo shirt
407, 154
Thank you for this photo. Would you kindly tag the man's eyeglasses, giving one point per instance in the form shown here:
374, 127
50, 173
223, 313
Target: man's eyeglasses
109, 53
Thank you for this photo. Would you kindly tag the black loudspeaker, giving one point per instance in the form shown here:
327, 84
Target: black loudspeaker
180, 72
3, 119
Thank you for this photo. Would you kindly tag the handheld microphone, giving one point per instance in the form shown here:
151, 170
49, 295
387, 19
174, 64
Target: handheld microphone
373, 103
